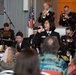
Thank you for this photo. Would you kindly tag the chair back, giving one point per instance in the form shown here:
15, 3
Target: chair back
50, 72
7, 72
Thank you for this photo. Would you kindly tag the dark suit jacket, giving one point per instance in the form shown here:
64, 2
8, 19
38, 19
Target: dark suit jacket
67, 46
68, 22
49, 16
25, 44
34, 41
44, 35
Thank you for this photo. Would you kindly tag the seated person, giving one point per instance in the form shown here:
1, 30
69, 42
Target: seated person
49, 60
20, 42
68, 42
27, 63
8, 59
7, 28
6, 33
33, 38
71, 70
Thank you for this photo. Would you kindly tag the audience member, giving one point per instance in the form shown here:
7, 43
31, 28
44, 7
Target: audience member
8, 60
27, 63
71, 70
49, 60
68, 18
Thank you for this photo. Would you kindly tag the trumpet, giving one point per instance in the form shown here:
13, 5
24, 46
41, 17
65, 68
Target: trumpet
44, 12
69, 39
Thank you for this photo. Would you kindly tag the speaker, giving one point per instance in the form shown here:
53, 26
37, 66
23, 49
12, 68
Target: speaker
25, 5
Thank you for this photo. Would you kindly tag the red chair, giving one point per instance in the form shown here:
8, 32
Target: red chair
49, 72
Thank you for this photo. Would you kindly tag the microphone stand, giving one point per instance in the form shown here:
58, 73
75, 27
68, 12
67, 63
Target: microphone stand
36, 21
9, 19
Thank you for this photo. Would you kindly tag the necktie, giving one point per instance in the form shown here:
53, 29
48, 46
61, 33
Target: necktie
48, 34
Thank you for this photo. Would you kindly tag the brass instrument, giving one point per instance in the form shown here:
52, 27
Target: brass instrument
16, 49
1, 47
69, 40
6, 33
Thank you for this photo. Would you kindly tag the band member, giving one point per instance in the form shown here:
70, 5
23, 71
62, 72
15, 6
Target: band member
7, 35
34, 39
46, 14
68, 18
7, 29
49, 31
68, 41
20, 42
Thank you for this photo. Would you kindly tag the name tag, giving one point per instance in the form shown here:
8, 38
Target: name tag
43, 36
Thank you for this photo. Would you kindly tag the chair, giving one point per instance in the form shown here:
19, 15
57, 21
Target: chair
44, 73
7, 72
50, 72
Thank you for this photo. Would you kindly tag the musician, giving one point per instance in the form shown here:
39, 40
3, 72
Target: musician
68, 18
46, 14
34, 39
20, 42
68, 41
7, 33
49, 31
7, 28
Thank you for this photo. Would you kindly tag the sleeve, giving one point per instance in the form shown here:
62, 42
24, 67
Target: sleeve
52, 16
40, 18
72, 18
12, 34
61, 20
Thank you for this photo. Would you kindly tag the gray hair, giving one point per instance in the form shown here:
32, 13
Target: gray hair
50, 45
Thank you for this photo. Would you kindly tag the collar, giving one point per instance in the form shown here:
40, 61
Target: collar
48, 10
48, 32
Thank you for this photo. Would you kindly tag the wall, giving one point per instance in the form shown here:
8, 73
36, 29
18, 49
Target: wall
14, 9
19, 18
39, 8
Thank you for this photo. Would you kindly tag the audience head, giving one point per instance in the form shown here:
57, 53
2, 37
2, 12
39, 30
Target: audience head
49, 25
27, 63
66, 9
19, 37
6, 26
50, 45
8, 56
